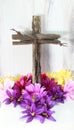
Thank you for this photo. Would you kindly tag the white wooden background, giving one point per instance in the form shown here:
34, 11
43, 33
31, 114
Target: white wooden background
57, 16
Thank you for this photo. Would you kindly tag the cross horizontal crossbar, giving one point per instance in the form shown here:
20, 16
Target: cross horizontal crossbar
36, 36
26, 42
20, 39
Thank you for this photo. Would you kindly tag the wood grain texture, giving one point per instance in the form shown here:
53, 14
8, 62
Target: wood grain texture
36, 69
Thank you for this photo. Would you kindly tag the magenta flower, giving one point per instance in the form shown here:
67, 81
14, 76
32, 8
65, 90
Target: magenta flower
69, 89
24, 81
48, 83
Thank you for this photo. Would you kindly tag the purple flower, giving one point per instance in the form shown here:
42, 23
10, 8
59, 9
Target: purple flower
13, 97
47, 114
41, 113
57, 93
32, 112
28, 99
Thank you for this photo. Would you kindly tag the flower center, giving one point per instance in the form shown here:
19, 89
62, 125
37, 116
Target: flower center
33, 98
33, 114
45, 114
54, 98
11, 98
19, 99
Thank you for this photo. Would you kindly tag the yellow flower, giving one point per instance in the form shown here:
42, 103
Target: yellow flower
61, 76
13, 78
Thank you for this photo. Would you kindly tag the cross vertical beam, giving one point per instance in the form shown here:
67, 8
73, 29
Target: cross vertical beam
36, 68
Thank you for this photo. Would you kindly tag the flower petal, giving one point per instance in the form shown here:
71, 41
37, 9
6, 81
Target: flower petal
8, 93
41, 118
29, 119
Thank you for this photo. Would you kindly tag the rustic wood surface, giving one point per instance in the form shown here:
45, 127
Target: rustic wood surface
36, 69
35, 37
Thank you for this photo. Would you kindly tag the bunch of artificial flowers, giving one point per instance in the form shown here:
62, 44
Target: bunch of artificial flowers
37, 100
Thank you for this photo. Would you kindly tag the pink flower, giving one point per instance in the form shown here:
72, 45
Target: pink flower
35, 89
8, 84
69, 88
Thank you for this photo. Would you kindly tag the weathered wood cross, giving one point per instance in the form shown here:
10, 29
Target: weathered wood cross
35, 38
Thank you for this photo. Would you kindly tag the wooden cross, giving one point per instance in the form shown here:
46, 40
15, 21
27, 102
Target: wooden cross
35, 38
